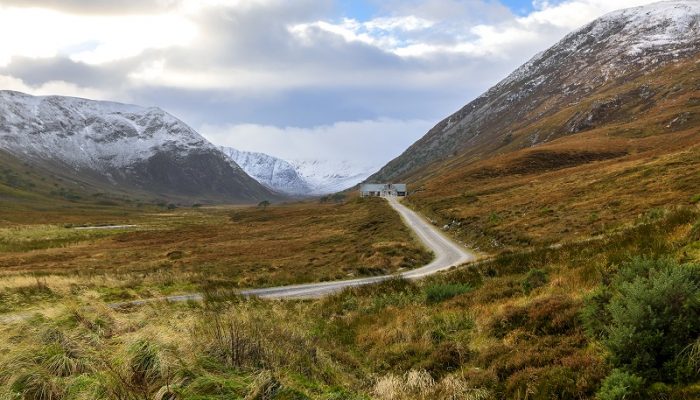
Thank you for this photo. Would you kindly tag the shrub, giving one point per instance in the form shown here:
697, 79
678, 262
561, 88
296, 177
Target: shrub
535, 278
440, 292
650, 316
620, 385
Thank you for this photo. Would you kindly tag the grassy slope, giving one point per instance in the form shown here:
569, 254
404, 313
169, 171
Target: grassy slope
647, 156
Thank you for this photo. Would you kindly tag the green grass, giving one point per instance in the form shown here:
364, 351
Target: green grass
35, 237
440, 292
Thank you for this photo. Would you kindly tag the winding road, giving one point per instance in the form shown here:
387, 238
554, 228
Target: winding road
447, 254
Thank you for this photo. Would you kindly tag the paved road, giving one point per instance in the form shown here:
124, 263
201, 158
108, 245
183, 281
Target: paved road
447, 254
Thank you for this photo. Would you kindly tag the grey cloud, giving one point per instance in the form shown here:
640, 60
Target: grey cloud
36, 71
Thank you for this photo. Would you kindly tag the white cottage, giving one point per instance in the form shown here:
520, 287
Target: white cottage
383, 189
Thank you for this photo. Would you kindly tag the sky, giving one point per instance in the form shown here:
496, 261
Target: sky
299, 79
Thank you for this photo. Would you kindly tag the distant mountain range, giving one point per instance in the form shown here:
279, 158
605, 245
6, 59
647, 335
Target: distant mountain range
300, 177
272, 172
99, 146
106, 146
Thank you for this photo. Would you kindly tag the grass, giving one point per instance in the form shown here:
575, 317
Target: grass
576, 186
441, 292
474, 332
205, 248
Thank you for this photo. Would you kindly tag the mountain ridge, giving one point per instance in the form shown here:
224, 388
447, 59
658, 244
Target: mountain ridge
122, 147
619, 45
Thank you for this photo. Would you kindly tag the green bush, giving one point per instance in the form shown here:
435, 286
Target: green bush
650, 315
620, 385
440, 292
535, 278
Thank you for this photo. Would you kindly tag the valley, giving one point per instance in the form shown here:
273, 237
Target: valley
548, 246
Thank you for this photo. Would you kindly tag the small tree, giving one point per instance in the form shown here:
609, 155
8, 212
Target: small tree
263, 204
647, 317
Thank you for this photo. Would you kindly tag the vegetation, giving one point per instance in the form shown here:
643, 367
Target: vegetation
647, 317
518, 195
539, 324
194, 249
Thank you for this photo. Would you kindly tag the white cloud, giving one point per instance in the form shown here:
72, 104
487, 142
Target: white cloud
367, 143
418, 36
60, 88
43, 33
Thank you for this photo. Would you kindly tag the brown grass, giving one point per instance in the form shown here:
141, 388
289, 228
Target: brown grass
184, 249
578, 185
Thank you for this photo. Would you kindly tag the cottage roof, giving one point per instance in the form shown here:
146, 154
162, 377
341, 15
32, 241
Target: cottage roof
372, 187
378, 187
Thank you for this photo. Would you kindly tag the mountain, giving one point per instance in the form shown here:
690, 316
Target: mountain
599, 132
272, 172
302, 176
118, 147
614, 49
330, 176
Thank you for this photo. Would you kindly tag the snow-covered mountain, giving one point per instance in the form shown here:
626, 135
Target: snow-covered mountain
300, 177
606, 53
120, 145
330, 176
272, 172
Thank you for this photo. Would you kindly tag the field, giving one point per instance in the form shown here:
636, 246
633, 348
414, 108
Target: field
518, 326
193, 249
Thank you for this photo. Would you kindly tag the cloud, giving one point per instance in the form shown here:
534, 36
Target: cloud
44, 33
367, 143
249, 70
101, 7
61, 88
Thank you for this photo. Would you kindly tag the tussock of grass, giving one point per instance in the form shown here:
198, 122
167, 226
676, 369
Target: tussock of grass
437, 293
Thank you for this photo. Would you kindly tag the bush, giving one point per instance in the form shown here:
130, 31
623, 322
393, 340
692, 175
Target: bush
535, 278
441, 292
650, 315
620, 385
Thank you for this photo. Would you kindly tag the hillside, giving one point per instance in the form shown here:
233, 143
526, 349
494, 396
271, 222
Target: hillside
556, 93
592, 132
97, 146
